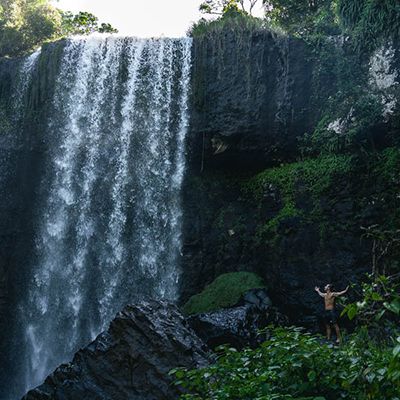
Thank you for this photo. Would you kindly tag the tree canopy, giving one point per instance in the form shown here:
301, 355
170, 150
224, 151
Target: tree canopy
26, 24
221, 7
83, 23
300, 16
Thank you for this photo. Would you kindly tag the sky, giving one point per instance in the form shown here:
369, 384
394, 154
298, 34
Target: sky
142, 18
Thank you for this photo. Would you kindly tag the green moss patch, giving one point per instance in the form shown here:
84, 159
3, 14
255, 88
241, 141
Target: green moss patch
312, 176
316, 173
224, 291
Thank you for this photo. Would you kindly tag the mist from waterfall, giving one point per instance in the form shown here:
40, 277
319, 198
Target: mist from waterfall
109, 224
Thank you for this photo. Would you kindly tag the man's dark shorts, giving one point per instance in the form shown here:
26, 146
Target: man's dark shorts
330, 316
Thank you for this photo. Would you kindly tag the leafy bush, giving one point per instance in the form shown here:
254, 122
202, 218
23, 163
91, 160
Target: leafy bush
235, 21
296, 365
370, 21
224, 291
380, 297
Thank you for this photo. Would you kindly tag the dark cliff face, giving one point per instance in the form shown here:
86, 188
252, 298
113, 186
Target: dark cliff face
251, 98
295, 237
251, 102
224, 233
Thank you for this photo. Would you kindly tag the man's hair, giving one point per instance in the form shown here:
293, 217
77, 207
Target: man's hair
329, 285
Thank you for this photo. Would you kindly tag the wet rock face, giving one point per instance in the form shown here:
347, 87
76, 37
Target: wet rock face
238, 326
251, 97
131, 360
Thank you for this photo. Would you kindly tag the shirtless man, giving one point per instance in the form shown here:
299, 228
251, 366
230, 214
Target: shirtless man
330, 316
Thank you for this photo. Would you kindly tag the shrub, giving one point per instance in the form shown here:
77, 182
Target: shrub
297, 365
224, 291
238, 22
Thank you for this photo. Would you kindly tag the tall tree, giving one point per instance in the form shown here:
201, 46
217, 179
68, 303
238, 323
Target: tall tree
26, 24
221, 7
83, 23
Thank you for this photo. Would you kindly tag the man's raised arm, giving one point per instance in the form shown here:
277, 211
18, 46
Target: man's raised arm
342, 292
319, 292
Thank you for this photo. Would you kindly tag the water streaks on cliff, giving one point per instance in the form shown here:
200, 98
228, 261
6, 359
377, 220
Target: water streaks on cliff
109, 223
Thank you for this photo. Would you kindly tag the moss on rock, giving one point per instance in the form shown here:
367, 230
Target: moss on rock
224, 291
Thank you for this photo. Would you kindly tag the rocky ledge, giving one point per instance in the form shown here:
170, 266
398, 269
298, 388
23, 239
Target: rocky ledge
132, 359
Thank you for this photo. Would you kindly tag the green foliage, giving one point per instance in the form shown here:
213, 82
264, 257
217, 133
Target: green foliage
27, 24
218, 7
370, 21
315, 176
388, 166
354, 117
83, 23
303, 17
346, 109
380, 297
235, 20
224, 291
316, 173
225, 7
270, 228
296, 365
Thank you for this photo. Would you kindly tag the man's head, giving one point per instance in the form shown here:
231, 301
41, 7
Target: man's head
328, 287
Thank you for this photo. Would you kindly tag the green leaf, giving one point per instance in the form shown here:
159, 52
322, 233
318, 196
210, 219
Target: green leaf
380, 315
352, 311
393, 306
312, 376
376, 296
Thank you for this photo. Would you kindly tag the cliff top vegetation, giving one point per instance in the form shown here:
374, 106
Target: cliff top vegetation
367, 23
27, 24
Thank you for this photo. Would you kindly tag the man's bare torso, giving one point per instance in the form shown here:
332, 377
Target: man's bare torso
329, 299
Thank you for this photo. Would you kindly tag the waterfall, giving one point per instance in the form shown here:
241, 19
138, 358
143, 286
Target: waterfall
109, 220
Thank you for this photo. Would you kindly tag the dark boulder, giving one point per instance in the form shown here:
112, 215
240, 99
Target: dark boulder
238, 326
131, 360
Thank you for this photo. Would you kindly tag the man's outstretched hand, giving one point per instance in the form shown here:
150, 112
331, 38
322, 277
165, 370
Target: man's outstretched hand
316, 288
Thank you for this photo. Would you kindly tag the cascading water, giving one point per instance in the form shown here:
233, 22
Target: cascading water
109, 228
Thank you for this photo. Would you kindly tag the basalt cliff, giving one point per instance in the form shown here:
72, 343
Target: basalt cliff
280, 155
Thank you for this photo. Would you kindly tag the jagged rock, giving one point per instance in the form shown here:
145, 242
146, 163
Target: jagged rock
131, 360
238, 326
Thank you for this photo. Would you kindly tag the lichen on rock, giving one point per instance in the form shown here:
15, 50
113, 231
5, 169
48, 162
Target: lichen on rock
383, 77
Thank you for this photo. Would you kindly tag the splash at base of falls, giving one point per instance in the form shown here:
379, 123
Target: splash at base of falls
110, 219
